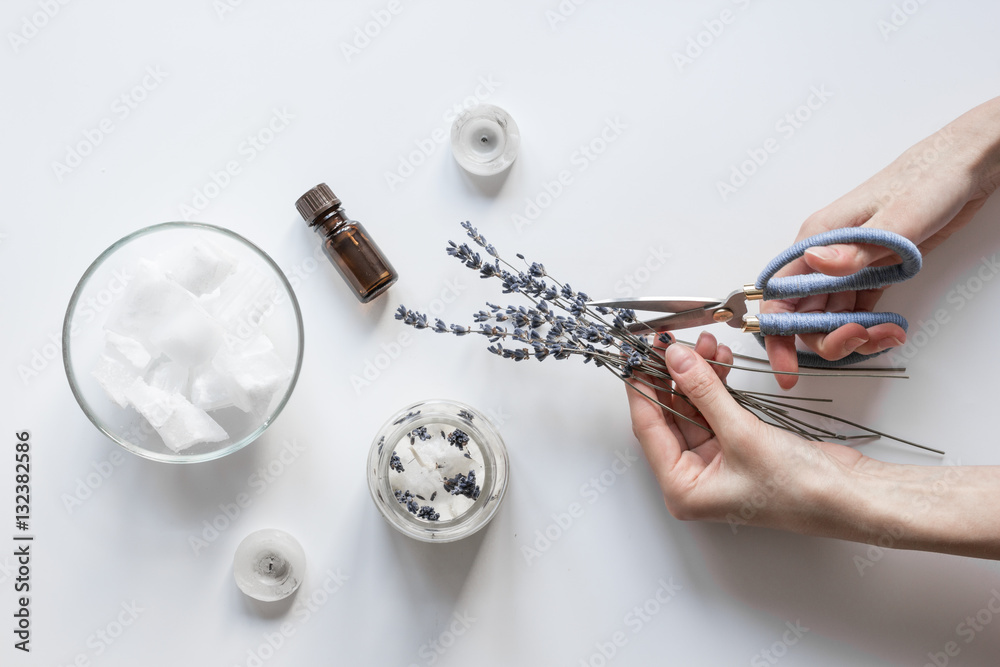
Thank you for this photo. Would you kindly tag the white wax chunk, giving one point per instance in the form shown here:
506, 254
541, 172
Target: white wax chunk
243, 301
178, 422
152, 403
189, 425
129, 348
164, 317
199, 268
189, 337
253, 376
170, 376
209, 390
115, 378
173, 355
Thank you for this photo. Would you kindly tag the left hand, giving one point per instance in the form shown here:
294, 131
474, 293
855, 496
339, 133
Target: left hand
715, 476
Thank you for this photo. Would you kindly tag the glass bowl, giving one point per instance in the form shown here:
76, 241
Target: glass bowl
234, 355
421, 479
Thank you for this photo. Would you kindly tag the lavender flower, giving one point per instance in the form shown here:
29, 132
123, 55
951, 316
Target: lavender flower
406, 416
420, 432
458, 438
462, 485
427, 512
395, 463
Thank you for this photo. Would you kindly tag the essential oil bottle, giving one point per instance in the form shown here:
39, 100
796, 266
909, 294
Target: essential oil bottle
348, 245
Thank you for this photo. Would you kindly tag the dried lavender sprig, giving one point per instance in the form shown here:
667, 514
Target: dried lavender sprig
536, 271
621, 351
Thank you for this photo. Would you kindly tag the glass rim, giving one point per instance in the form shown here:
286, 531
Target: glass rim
178, 457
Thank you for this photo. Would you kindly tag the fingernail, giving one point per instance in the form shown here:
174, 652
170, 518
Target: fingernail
703, 335
889, 341
822, 252
854, 343
680, 358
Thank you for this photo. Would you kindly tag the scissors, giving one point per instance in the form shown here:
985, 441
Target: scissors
689, 312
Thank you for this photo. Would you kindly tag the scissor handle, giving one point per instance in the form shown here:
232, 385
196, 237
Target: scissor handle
870, 277
789, 324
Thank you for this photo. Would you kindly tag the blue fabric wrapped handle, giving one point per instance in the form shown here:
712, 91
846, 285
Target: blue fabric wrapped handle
872, 277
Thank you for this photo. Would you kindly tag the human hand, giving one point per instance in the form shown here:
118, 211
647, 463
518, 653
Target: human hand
928, 193
747, 472
715, 476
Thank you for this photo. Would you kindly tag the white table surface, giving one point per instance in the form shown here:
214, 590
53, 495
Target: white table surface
349, 119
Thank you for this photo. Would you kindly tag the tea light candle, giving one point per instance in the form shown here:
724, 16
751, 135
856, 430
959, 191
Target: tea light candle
269, 565
437, 470
485, 140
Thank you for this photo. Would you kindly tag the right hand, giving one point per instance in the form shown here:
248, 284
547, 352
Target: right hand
928, 193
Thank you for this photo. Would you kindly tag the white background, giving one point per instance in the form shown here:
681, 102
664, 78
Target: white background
355, 117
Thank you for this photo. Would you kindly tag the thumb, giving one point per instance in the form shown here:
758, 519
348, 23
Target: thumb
696, 380
843, 259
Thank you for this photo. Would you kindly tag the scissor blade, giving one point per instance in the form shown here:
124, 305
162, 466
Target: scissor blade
691, 318
665, 304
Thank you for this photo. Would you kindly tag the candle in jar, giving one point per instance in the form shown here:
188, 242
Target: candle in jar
435, 472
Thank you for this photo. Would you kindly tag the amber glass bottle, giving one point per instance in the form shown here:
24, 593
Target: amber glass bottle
347, 244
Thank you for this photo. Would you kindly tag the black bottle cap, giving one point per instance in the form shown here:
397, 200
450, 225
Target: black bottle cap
317, 200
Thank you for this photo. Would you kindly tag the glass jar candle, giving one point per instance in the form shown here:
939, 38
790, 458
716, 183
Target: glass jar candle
437, 470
